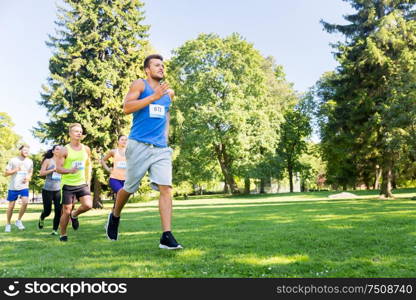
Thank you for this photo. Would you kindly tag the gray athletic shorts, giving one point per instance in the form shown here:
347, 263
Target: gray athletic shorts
143, 157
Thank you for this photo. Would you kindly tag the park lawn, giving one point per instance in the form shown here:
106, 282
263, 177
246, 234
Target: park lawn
256, 236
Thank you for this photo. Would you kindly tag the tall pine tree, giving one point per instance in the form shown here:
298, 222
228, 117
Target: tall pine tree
379, 52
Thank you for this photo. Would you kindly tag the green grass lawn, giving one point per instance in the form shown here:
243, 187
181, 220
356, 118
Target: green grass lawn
256, 236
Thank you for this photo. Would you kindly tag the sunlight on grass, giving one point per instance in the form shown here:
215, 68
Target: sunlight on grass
98, 264
273, 260
134, 233
190, 254
9, 264
330, 217
276, 217
340, 227
14, 238
396, 212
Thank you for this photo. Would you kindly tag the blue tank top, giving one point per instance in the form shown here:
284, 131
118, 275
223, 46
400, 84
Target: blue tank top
149, 123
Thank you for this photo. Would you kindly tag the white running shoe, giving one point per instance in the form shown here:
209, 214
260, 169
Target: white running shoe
19, 224
8, 228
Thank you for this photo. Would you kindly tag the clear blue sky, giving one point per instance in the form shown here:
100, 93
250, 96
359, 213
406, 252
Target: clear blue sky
287, 30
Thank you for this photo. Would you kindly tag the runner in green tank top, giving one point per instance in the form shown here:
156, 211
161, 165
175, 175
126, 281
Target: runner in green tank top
73, 163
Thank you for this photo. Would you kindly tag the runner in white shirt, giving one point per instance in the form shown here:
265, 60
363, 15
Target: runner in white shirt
20, 169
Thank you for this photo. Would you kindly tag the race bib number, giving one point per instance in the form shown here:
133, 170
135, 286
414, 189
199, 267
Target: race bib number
56, 176
79, 165
121, 165
157, 111
21, 175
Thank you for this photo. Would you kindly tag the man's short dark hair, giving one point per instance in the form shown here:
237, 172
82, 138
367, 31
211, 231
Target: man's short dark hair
150, 57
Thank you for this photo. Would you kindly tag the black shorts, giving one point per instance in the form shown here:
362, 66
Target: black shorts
70, 193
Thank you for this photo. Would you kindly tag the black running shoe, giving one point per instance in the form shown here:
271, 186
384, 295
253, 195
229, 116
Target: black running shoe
112, 227
167, 241
74, 221
63, 238
41, 223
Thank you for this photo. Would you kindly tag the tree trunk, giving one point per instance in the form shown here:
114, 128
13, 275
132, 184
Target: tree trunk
290, 171
367, 180
96, 200
226, 187
230, 180
262, 185
393, 181
246, 185
303, 186
376, 185
225, 164
386, 185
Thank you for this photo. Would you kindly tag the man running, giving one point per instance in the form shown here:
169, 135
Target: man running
20, 169
147, 150
118, 171
73, 162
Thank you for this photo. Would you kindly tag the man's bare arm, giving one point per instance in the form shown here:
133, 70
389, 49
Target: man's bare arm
11, 172
131, 102
171, 95
60, 163
29, 175
45, 165
105, 158
88, 166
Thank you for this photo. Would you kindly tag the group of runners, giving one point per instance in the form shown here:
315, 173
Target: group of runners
67, 169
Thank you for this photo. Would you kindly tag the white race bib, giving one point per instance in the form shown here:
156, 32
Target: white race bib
121, 165
156, 111
21, 174
79, 165
56, 176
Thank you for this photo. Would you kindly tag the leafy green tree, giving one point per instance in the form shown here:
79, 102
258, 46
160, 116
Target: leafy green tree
283, 98
98, 50
8, 148
406, 160
336, 139
224, 111
375, 60
313, 168
295, 131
